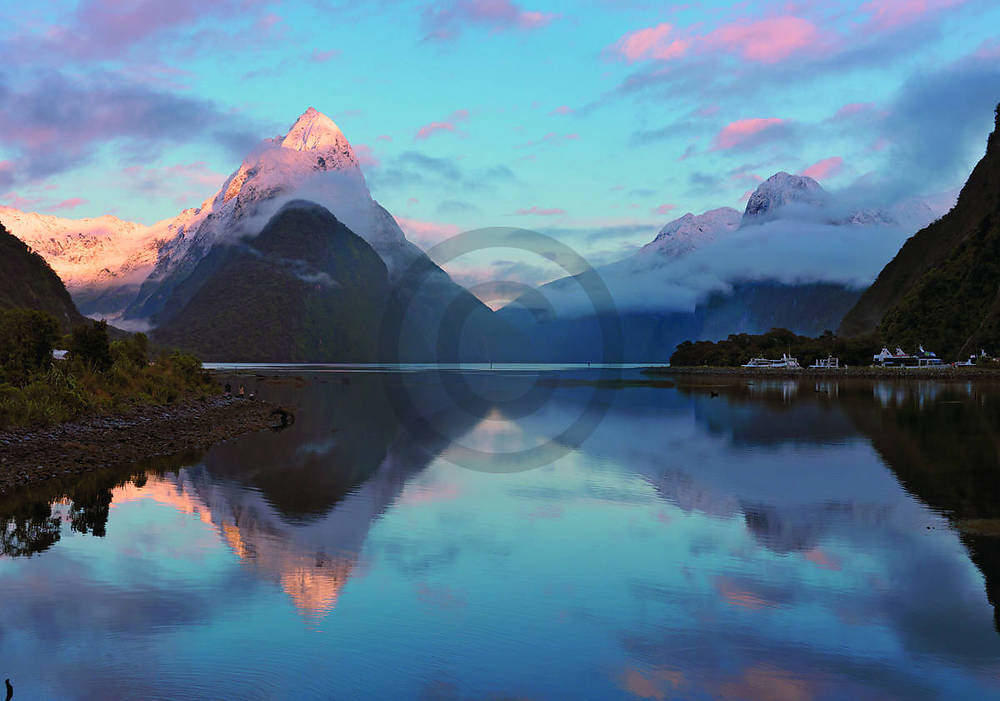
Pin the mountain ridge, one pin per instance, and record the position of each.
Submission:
(942, 289)
(27, 281)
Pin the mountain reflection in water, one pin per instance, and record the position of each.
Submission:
(725, 538)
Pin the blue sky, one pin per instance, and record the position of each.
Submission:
(595, 120)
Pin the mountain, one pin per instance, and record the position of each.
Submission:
(26, 280)
(778, 192)
(314, 155)
(306, 288)
(314, 162)
(102, 261)
(689, 282)
(942, 290)
(143, 277)
(685, 234)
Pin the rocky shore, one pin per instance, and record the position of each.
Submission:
(942, 373)
(29, 456)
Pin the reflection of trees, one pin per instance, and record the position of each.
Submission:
(29, 529)
(30, 524)
(941, 440)
(946, 452)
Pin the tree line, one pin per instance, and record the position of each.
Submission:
(737, 349)
(97, 376)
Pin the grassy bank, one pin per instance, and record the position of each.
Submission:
(97, 377)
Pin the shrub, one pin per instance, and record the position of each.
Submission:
(100, 377)
(27, 338)
(89, 345)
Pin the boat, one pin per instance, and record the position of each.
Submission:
(902, 359)
(827, 363)
(786, 363)
(970, 363)
(928, 359)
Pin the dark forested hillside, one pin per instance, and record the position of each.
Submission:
(305, 289)
(942, 289)
(27, 281)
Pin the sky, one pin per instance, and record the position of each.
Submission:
(595, 121)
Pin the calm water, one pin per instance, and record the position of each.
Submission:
(734, 540)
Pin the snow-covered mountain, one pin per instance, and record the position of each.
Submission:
(91, 256)
(778, 192)
(686, 233)
(313, 161)
(145, 277)
(786, 196)
(796, 258)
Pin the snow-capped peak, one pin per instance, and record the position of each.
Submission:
(780, 190)
(314, 131)
(686, 233)
(86, 252)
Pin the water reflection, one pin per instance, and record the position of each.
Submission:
(719, 539)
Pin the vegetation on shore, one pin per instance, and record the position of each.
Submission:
(941, 287)
(739, 348)
(97, 376)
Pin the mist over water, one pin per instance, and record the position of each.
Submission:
(730, 538)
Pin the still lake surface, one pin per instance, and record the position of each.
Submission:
(727, 538)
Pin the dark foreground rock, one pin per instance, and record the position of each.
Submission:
(29, 456)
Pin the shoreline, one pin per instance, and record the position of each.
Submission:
(945, 373)
(35, 455)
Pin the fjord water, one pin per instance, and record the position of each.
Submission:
(730, 538)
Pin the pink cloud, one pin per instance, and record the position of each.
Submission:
(185, 184)
(537, 211)
(745, 131)
(446, 20)
(318, 56)
(881, 144)
(447, 125)
(383, 137)
(196, 174)
(767, 40)
(853, 108)
(428, 129)
(990, 48)
(412, 201)
(826, 168)
(650, 42)
(892, 14)
(18, 202)
(665, 209)
(562, 109)
(71, 203)
(425, 233)
(366, 158)
(109, 27)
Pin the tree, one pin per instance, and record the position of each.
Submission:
(27, 338)
(90, 345)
